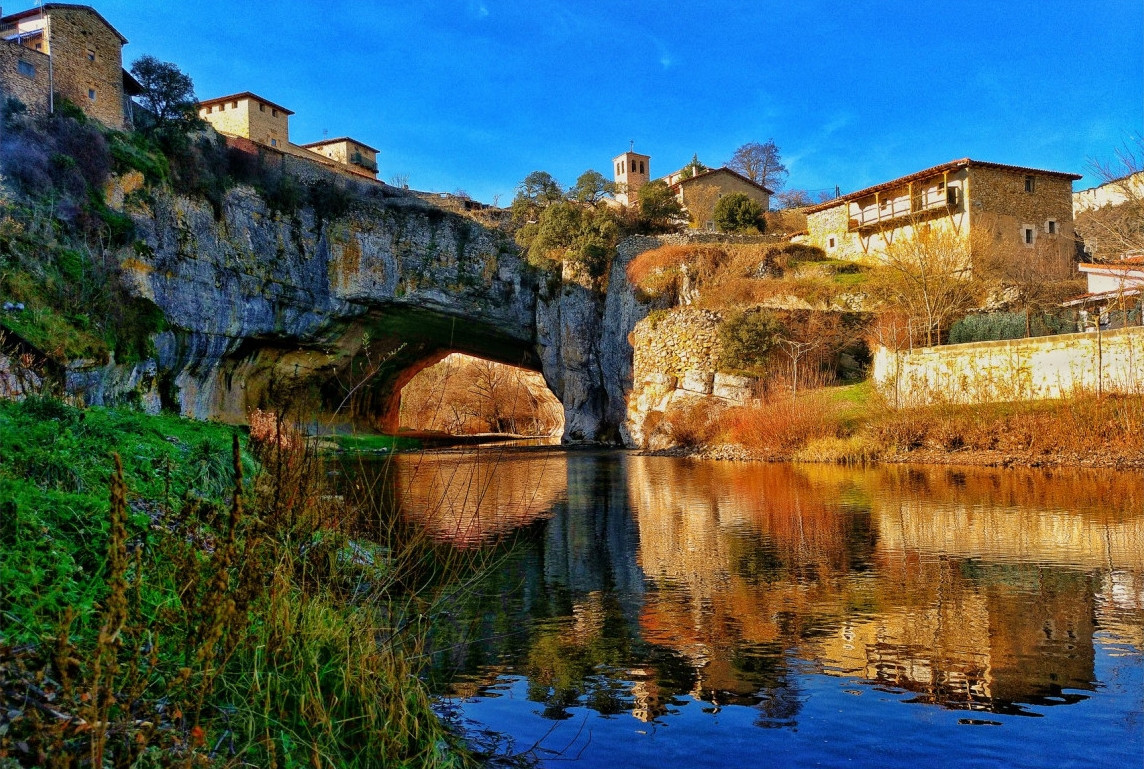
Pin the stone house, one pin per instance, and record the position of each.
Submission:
(1113, 287)
(631, 170)
(348, 152)
(1019, 207)
(1112, 193)
(70, 50)
(699, 192)
(253, 118)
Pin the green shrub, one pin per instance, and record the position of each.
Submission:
(738, 213)
(746, 338)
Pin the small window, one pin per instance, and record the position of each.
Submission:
(27, 69)
(261, 107)
(831, 242)
(90, 55)
(1030, 234)
(39, 46)
(940, 186)
(91, 94)
(641, 167)
(273, 142)
(273, 113)
(1030, 183)
(1051, 227)
(234, 105)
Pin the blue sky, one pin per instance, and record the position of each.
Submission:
(475, 94)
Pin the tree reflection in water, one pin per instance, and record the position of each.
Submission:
(635, 584)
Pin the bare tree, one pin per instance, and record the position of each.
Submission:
(760, 163)
(929, 278)
(1112, 222)
(700, 202)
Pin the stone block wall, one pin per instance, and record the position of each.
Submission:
(1000, 202)
(87, 59)
(29, 82)
(1016, 369)
(676, 361)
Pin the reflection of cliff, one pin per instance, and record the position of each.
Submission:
(473, 497)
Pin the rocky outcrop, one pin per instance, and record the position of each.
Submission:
(676, 364)
(270, 309)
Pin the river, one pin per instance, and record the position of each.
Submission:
(663, 612)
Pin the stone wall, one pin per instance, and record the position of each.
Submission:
(1016, 369)
(29, 83)
(675, 362)
(999, 201)
(87, 57)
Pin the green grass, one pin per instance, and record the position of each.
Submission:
(270, 624)
(55, 462)
(366, 444)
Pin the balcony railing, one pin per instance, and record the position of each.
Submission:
(924, 203)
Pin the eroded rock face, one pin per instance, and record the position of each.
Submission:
(267, 308)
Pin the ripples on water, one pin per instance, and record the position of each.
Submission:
(667, 612)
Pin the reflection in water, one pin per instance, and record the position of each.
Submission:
(647, 583)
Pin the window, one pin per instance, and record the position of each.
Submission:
(234, 105)
(1030, 235)
(1030, 183)
(261, 107)
(831, 242)
(27, 69)
(91, 93)
(1051, 227)
(273, 142)
(641, 167)
(273, 113)
(90, 55)
(39, 46)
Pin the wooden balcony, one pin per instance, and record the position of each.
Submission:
(906, 206)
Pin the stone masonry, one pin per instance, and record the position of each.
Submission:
(676, 361)
(86, 60)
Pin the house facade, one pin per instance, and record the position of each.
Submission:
(349, 152)
(699, 192)
(1015, 206)
(694, 186)
(248, 116)
(70, 50)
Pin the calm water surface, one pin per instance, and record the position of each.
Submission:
(660, 612)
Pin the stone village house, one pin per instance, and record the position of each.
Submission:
(632, 170)
(1023, 207)
(69, 50)
(247, 117)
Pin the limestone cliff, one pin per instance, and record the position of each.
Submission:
(269, 309)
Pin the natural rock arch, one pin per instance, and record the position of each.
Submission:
(266, 309)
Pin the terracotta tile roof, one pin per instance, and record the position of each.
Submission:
(950, 166)
(722, 169)
(244, 95)
(49, 6)
(324, 142)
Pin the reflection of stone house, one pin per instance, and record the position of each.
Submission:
(72, 51)
(1018, 206)
(249, 116)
